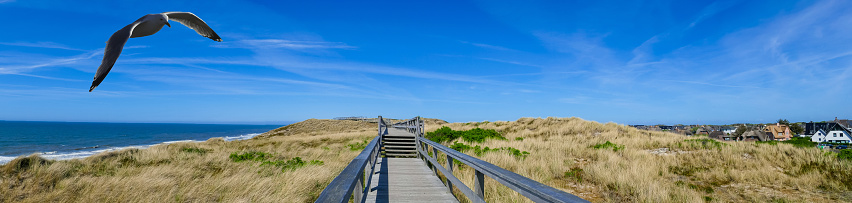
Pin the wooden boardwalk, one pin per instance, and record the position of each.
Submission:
(386, 172)
(406, 180)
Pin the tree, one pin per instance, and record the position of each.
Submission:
(741, 128)
(796, 128)
(784, 122)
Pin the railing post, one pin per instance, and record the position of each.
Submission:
(435, 155)
(359, 189)
(450, 169)
(479, 184)
(417, 146)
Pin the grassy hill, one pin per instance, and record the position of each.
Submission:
(263, 169)
(616, 163)
(598, 162)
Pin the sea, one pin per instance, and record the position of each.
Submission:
(70, 140)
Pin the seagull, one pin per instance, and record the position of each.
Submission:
(144, 26)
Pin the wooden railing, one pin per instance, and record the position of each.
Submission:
(413, 125)
(352, 182)
(529, 188)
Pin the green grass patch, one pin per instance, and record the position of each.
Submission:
(195, 150)
(607, 145)
(292, 164)
(801, 142)
(479, 151)
(704, 143)
(445, 134)
(266, 159)
(704, 188)
(519, 138)
(249, 156)
(575, 173)
(845, 154)
(358, 146)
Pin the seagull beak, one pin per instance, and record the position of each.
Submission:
(167, 23)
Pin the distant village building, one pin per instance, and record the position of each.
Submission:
(756, 135)
(780, 132)
(686, 132)
(836, 131)
(838, 134)
(811, 128)
(819, 136)
(720, 135)
(728, 130)
(702, 131)
(844, 123)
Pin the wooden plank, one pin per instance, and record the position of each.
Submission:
(406, 180)
(400, 143)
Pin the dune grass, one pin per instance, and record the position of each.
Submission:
(292, 167)
(616, 163)
(598, 162)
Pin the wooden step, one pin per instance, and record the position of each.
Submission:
(399, 147)
(400, 150)
(399, 139)
(400, 143)
(400, 155)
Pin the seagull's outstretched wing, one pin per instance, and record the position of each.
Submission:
(190, 20)
(112, 51)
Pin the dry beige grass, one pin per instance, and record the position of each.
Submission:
(738, 172)
(167, 173)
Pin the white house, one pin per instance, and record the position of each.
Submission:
(729, 130)
(838, 134)
(819, 136)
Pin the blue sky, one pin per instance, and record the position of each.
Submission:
(630, 62)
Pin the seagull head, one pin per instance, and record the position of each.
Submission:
(165, 19)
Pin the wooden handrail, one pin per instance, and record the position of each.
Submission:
(529, 188)
(343, 187)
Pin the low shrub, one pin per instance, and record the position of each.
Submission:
(479, 151)
(575, 173)
(266, 160)
(292, 164)
(249, 156)
(358, 146)
(845, 154)
(608, 144)
(801, 142)
(195, 150)
(445, 134)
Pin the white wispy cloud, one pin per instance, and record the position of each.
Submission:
(31, 63)
(488, 46)
(49, 45)
(512, 62)
(712, 10)
(283, 44)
